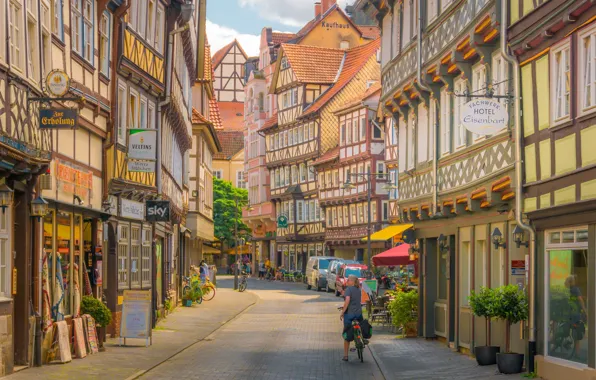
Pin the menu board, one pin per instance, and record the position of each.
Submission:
(136, 315)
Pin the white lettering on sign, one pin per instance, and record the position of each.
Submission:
(156, 210)
(484, 116)
(132, 209)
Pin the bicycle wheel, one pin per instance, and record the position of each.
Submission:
(185, 290)
(210, 293)
(360, 355)
(242, 286)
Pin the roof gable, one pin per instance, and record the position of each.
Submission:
(221, 53)
(333, 11)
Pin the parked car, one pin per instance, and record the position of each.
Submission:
(332, 272)
(316, 271)
(344, 272)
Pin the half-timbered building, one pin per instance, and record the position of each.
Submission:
(455, 187)
(360, 150)
(309, 83)
(555, 45)
(228, 68)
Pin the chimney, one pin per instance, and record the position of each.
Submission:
(326, 4)
(317, 9)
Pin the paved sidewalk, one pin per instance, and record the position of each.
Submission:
(418, 359)
(180, 330)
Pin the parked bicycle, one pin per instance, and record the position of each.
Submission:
(203, 292)
(243, 282)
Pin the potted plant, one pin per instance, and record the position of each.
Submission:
(510, 305)
(189, 298)
(404, 311)
(482, 304)
(100, 313)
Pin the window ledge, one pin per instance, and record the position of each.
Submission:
(58, 42)
(79, 59)
(104, 78)
(5, 299)
(561, 125)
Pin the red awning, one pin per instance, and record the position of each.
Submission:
(395, 256)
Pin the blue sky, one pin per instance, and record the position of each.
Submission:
(244, 19)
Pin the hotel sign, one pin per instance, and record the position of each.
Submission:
(132, 209)
(54, 118)
(484, 116)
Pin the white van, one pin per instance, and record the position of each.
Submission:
(316, 271)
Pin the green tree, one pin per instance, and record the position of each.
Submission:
(226, 211)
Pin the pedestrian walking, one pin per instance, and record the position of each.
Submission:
(261, 270)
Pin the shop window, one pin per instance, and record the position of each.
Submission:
(566, 294)
(135, 256)
(123, 236)
(5, 254)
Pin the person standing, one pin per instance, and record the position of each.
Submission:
(352, 309)
(261, 270)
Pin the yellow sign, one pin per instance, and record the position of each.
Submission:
(57, 82)
(14, 281)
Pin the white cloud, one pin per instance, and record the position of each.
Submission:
(294, 13)
(219, 36)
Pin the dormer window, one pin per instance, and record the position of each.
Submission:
(284, 63)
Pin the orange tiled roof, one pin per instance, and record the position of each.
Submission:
(313, 64)
(269, 123)
(329, 155)
(232, 115)
(208, 73)
(370, 32)
(279, 37)
(231, 142)
(197, 118)
(356, 58)
(214, 114)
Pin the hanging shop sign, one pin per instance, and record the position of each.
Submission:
(141, 166)
(157, 211)
(58, 118)
(132, 209)
(282, 221)
(57, 82)
(73, 179)
(142, 144)
(484, 116)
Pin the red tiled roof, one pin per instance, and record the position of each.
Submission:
(208, 73)
(313, 64)
(356, 58)
(197, 118)
(221, 53)
(231, 142)
(280, 38)
(214, 114)
(269, 123)
(232, 115)
(369, 32)
(329, 155)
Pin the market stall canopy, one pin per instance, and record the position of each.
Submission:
(395, 256)
(242, 250)
(389, 232)
(210, 250)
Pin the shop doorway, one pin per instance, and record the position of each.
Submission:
(22, 237)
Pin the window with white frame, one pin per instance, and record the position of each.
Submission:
(587, 69)
(410, 146)
(363, 129)
(422, 143)
(385, 206)
(46, 39)
(311, 173)
(355, 134)
(240, 183)
(377, 131)
(150, 21)
(32, 38)
(381, 170)
(445, 121)
(349, 132)
(287, 175)
(146, 257)
(432, 128)
(500, 69)
(122, 110)
(135, 256)
(478, 86)
(57, 24)
(104, 43)
(432, 10)
(16, 35)
(88, 22)
(159, 23)
(123, 244)
(460, 101)
(82, 28)
(561, 82)
(410, 21)
(300, 211)
(217, 173)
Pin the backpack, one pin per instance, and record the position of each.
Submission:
(367, 329)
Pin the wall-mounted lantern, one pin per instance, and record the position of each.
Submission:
(498, 240)
(518, 237)
(6, 197)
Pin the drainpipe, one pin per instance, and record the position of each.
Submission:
(425, 87)
(166, 101)
(518, 190)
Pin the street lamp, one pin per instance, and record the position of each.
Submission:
(6, 196)
(39, 207)
(348, 185)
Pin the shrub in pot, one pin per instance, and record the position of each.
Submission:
(100, 313)
(404, 311)
(510, 305)
(482, 304)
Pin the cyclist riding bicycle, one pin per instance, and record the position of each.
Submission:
(352, 309)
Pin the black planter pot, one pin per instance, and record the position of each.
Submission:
(486, 355)
(510, 363)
